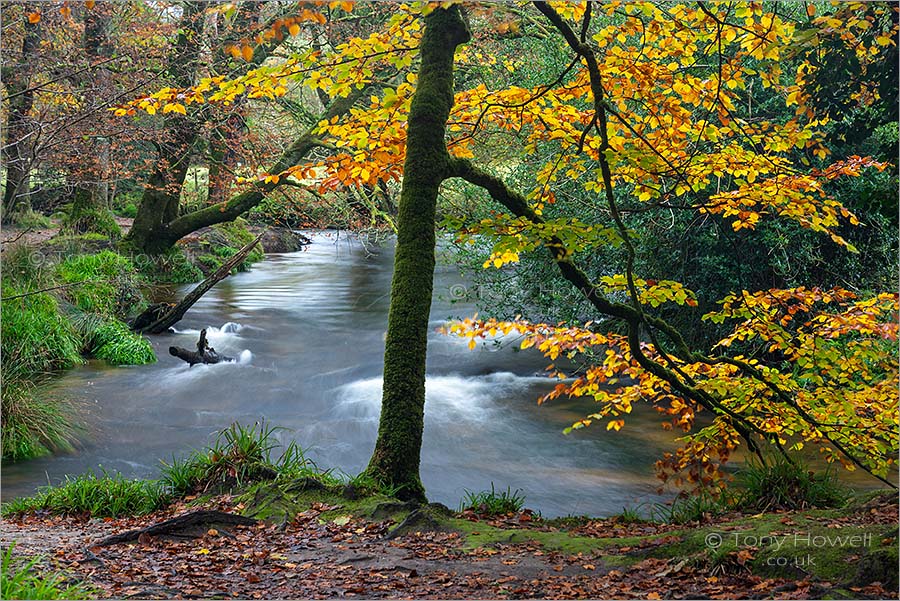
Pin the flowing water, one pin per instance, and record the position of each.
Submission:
(307, 331)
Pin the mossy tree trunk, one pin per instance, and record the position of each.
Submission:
(158, 224)
(395, 460)
(162, 192)
(19, 126)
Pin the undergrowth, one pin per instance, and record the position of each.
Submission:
(239, 456)
(22, 579)
(98, 496)
(46, 332)
(493, 502)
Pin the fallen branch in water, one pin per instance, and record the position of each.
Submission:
(174, 315)
(204, 353)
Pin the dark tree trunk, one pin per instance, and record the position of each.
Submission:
(162, 192)
(19, 129)
(395, 460)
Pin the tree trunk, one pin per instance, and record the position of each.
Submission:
(162, 192)
(19, 128)
(395, 460)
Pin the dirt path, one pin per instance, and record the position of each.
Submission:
(323, 554)
(35, 237)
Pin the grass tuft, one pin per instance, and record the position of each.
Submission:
(116, 344)
(34, 423)
(23, 580)
(686, 509)
(240, 455)
(493, 502)
(98, 496)
(783, 484)
(105, 283)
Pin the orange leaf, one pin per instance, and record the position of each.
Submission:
(247, 53)
(294, 29)
(89, 4)
(34, 17)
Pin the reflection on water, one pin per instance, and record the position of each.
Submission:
(307, 330)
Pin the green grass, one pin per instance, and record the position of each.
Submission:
(110, 283)
(492, 502)
(98, 496)
(34, 423)
(36, 338)
(116, 344)
(22, 579)
(783, 484)
(240, 455)
(171, 267)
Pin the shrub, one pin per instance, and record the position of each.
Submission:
(98, 496)
(129, 210)
(493, 502)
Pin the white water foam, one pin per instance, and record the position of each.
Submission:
(447, 398)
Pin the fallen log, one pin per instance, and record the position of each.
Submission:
(188, 525)
(203, 354)
(159, 324)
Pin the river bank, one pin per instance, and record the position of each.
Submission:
(328, 545)
(69, 298)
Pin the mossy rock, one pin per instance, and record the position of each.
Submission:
(878, 565)
(433, 517)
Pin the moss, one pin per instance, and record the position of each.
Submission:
(395, 461)
(809, 545)
(85, 217)
(236, 235)
(32, 220)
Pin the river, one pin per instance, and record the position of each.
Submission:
(308, 331)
